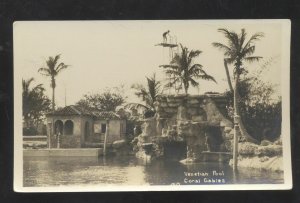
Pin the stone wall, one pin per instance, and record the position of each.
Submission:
(188, 118)
(193, 107)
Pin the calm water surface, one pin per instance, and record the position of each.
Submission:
(54, 171)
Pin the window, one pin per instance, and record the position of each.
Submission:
(103, 128)
(69, 127)
(58, 128)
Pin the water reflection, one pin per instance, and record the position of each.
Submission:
(54, 171)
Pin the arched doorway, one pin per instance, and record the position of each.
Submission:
(68, 128)
(58, 127)
(86, 130)
(214, 138)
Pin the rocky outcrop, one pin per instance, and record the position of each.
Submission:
(262, 163)
(266, 156)
(120, 147)
(193, 107)
(197, 120)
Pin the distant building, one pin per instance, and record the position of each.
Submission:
(76, 127)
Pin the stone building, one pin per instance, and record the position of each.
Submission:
(76, 127)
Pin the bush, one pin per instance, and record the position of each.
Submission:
(261, 117)
(247, 148)
(149, 113)
(278, 141)
(265, 143)
(30, 131)
(269, 150)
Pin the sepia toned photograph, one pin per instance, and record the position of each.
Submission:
(152, 105)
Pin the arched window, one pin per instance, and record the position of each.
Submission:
(58, 127)
(69, 127)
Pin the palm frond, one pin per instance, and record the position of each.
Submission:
(207, 77)
(253, 38)
(169, 66)
(196, 69)
(194, 83)
(222, 47)
(248, 51)
(251, 59)
(39, 87)
(242, 38)
(60, 67)
(194, 53)
(231, 36)
(173, 72)
(229, 60)
(57, 57)
(44, 71)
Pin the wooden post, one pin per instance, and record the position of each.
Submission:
(58, 139)
(49, 132)
(236, 124)
(235, 143)
(105, 137)
(52, 131)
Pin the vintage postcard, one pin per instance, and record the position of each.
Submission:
(152, 105)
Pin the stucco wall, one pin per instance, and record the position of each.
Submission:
(90, 121)
(114, 131)
(66, 141)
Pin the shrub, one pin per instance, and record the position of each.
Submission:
(247, 148)
(30, 131)
(269, 150)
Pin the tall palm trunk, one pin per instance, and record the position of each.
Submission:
(53, 99)
(53, 109)
(185, 89)
(228, 75)
(242, 128)
(237, 112)
(53, 93)
(186, 86)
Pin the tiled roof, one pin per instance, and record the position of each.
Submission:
(76, 110)
(106, 115)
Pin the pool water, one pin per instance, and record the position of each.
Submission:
(77, 171)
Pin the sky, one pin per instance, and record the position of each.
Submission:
(105, 54)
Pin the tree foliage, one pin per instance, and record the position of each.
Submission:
(52, 70)
(35, 102)
(107, 100)
(183, 72)
(259, 108)
(147, 94)
(236, 51)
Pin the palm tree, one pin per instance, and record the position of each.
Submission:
(237, 51)
(34, 101)
(52, 70)
(148, 94)
(184, 72)
(228, 76)
(27, 98)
